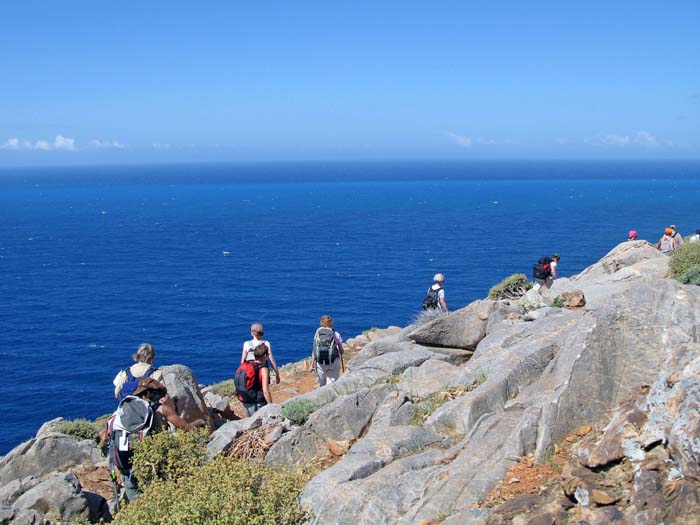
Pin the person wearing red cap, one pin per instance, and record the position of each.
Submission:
(632, 235)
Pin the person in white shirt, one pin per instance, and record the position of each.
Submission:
(257, 332)
(696, 237)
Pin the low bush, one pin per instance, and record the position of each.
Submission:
(684, 258)
(558, 302)
(225, 388)
(299, 410)
(425, 316)
(81, 428)
(512, 287)
(692, 276)
(222, 492)
(168, 456)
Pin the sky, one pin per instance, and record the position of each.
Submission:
(126, 82)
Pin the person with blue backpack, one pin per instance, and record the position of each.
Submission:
(127, 380)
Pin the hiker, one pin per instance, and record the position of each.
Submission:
(149, 409)
(127, 379)
(435, 298)
(696, 237)
(252, 381)
(327, 354)
(545, 271)
(677, 238)
(666, 244)
(632, 235)
(257, 332)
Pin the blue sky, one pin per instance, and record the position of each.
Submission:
(91, 82)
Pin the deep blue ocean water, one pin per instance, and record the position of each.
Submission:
(94, 261)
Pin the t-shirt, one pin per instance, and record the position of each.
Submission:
(553, 266)
(695, 238)
(250, 346)
(137, 370)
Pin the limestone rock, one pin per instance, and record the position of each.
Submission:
(430, 377)
(184, 391)
(463, 328)
(12, 516)
(51, 452)
(15, 488)
(573, 299)
(59, 497)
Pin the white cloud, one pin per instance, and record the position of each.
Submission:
(106, 144)
(460, 140)
(640, 139)
(64, 143)
(158, 145)
(11, 144)
(41, 144)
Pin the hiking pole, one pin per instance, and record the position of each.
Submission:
(115, 485)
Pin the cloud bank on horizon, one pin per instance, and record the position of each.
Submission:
(367, 81)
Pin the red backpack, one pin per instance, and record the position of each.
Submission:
(248, 382)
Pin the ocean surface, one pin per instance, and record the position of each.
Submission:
(95, 261)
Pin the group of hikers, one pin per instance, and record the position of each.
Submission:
(671, 240)
(144, 404)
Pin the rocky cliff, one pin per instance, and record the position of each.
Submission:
(428, 419)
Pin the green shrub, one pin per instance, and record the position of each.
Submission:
(225, 388)
(692, 276)
(168, 456)
(684, 258)
(81, 428)
(512, 287)
(299, 410)
(558, 302)
(222, 492)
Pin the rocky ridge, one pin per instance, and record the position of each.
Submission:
(428, 419)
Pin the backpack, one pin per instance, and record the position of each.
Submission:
(666, 245)
(431, 301)
(129, 387)
(325, 346)
(247, 381)
(132, 420)
(543, 268)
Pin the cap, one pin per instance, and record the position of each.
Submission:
(668, 231)
(633, 234)
(673, 226)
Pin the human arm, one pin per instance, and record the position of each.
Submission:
(244, 352)
(265, 376)
(118, 383)
(443, 303)
(167, 408)
(273, 363)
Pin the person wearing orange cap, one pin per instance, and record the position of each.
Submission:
(666, 245)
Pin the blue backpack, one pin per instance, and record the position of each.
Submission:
(133, 382)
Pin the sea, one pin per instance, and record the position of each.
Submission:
(96, 260)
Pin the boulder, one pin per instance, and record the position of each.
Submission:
(573, 299)
(184, 391)
(463, 328)
(59, 498)
(12, 516)
(48, 453)
(15, 488)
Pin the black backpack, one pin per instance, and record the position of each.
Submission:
(129, 387)
(325, 346)
(431, 301)
(543, 268)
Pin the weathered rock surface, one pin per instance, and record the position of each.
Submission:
(12, 516)
(48, 453)
(533, 382)
(59, 497)
(184, 391)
